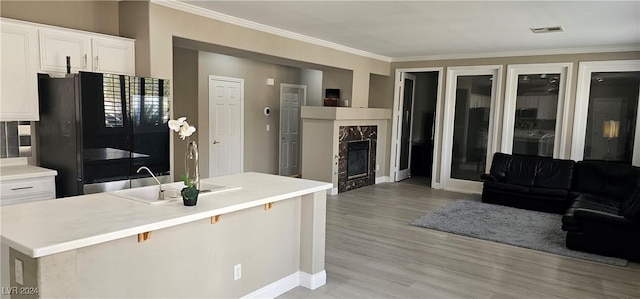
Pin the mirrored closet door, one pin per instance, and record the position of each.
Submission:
(535, 110)
(469, 125)
(606, 122)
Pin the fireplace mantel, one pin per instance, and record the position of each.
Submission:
(344, 113)
(320, 140)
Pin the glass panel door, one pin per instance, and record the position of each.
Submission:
(404, 157)
(534, 110)
(468, 132)
(536, 114)
(606, 122)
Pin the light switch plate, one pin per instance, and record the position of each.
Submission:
(237, 271)
(19, 272)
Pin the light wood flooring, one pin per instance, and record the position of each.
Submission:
(373, 252)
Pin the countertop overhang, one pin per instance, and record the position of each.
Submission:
(44, 228)
(20, 172)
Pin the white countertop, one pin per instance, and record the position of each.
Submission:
(19, 172)
(48, 227)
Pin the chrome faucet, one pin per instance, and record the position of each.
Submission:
(161, 192)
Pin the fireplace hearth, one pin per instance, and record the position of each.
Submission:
(357, 157)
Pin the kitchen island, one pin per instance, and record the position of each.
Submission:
(258, 241)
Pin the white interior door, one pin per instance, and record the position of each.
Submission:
(291, 98)
(469, 131)
(405, 109)
(225, 125)
(607, 92)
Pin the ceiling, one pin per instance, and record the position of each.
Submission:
(399, 30)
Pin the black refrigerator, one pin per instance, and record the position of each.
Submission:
(97, 129)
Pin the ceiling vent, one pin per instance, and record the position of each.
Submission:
(547, 29)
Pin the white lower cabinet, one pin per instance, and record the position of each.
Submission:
(27, 190)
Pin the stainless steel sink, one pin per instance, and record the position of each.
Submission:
(149, 194)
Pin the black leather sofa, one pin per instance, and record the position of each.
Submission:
(599, 200)
(529, 182)
(604, 216)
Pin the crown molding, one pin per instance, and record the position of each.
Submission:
(632, 48)
(192, 9)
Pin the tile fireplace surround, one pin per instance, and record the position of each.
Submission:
(350, 134)
(326, 134)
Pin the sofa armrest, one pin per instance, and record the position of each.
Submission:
(586, 215)
(488, 177)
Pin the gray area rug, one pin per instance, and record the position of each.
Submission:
(524, 228)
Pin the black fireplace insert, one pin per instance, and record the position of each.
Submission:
(357, 159)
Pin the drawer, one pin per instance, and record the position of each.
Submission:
(27, 189)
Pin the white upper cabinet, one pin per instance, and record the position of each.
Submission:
(56, 45)
(113, 55)
(18, 78)
(88, 52)
(28, 48)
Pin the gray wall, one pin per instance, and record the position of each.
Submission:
(260, 146)
(313, 80)
(95, 16)
(185, 90)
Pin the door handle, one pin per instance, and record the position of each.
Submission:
(215, 142)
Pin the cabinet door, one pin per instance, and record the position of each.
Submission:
(113, 55)
(19, 92)
(56, 45)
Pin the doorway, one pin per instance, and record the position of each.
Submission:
(414, 119)
(226, 129)
(291, 98)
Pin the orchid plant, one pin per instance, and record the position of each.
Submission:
(182, 127)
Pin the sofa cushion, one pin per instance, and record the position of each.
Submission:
(506, 187)
(588, 202)
(599, 200)
(522, 170)
(554, 173)
(549, 192)
(605, 178)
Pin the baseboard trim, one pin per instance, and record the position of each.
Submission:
(383, 179)
(314, 281)
(288, 283)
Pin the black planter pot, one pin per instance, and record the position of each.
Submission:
(189, 196)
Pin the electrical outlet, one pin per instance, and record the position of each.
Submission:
(237, 271)
(19, 272)
(268, 128)
(377, 167)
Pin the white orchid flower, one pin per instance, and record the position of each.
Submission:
(177, 124)
(186, 130)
